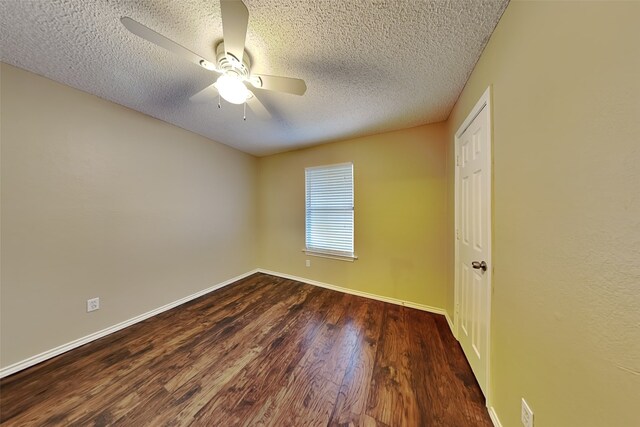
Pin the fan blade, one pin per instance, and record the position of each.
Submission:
(158, 39)
(258, 108)
(208, 94)
(279, 84)
(235, 20)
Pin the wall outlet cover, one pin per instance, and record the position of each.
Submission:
(93, 304)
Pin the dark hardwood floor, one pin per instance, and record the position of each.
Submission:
(263, 351)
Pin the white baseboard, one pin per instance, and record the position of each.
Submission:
(396, 301)
(450, 322)
(33, 360)
(494, 417)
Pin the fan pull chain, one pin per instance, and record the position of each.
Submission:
(244, 114)
(219, 101)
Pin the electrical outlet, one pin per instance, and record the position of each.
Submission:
(527, 415)
(93, 304)
(308, 263)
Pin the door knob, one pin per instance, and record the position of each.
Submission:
(479, 265)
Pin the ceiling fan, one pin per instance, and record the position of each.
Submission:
(232, 62)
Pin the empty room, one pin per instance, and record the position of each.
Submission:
(320, 213)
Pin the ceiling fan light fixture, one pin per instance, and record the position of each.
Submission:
(232, 60)
(232, 89)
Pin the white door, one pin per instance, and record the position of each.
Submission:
(473, 238)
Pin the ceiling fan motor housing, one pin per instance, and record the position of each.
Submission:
(228, 64)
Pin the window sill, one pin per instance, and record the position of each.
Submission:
(348, 258)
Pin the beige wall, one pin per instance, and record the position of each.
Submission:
(400, 185)
(102, 201)
(566, 238)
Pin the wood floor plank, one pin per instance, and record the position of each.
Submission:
(323, 371)
(431, 378)
(392, 400)
(299, 380)
(351, 401)
(236, 355)
(239, 397)
(262, 351)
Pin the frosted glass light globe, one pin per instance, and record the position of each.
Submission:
(232, 89)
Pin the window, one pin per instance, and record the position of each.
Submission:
(329, 210)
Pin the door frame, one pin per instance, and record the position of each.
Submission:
(483, 102)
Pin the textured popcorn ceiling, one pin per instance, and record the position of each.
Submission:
(370, 65)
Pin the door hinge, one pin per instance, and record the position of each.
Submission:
(458, 160)
(457, 234)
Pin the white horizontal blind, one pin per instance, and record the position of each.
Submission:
(329, 209)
